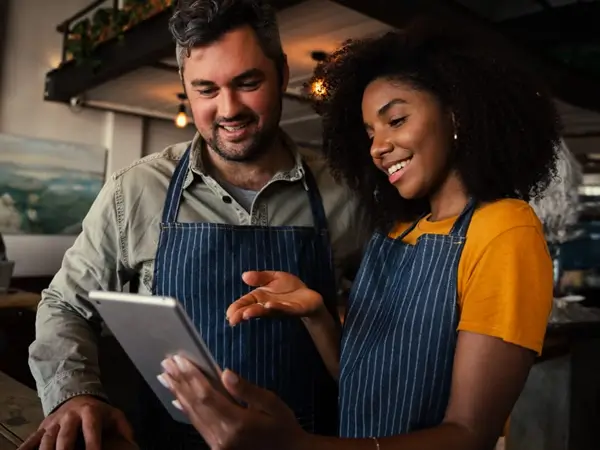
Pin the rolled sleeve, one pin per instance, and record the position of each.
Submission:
(64, 356)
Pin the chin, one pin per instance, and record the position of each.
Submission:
(240, 151)
(407, 192)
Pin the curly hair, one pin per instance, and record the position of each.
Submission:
(506, 125)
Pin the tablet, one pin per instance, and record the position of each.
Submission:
(151, 328)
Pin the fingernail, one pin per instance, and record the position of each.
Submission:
(181, 363)
(165, 364)
(231, 377)
(161, 378)
(177, 405)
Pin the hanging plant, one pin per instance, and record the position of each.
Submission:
(108, 23)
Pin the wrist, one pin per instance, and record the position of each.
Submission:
(319, 315)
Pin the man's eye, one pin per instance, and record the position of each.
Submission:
(250, 85)
(206, 92)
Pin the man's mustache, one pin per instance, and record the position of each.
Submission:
(224, 121)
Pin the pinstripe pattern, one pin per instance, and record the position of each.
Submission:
(400, 334)
(201, 264)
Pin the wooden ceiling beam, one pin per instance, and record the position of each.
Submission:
(573, 23)
(567, 84)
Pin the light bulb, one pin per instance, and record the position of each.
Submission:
(181, 120)
(318, 88)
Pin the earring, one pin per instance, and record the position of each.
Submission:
(455, 136)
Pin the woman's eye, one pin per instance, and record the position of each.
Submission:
(397, 122)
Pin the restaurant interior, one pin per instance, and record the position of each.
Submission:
(95, 85)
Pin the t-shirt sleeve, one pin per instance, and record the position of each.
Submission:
(508, 290)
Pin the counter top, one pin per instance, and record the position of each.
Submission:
(19, 299)
(20, 412)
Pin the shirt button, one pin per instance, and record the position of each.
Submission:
(227, 199)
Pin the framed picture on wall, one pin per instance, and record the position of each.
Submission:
(46, 189)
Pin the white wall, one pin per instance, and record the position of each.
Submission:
(32, 48)
(159, 134)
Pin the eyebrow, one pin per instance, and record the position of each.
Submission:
(251, 73)
(385, 108)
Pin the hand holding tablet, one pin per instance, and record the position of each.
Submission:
(150, 329)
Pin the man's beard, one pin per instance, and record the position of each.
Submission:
(250, 149)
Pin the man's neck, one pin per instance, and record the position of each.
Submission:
(252, 175)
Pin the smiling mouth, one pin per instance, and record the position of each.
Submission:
(399, 166)
(234, 128)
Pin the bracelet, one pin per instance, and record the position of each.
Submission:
(376, 443)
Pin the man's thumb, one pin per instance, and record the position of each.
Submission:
(254, 396)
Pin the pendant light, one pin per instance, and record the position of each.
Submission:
(181, 119)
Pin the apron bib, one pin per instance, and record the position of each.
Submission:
(400, 334)
(201, 265)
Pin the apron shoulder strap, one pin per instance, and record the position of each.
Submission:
(316, 201)
(461, 225)
(171, 208)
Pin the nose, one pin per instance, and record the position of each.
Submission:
(229, 104)
(380, 147)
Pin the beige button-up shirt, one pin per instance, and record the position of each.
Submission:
(119, 242)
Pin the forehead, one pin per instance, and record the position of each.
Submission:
(234, 53)
(381, 92)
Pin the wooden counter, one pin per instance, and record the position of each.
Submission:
(20, 412)
(20, 300)
(21, 415)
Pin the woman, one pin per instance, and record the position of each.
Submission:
(445, 145)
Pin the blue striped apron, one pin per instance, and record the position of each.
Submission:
(201, 265)
(400, 334)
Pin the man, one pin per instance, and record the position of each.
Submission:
(161, 221)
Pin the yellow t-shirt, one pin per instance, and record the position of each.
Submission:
(504, 274)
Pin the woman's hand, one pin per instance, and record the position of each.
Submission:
(276, 293)
(267, 423)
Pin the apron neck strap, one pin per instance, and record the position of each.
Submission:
(175, 190)
(314, 197)
(461, 225)
(459, 228)
(411, 227)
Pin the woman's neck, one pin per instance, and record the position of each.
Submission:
(449, 199)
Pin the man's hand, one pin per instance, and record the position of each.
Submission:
(60, 429)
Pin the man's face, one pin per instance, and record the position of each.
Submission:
(235, 95)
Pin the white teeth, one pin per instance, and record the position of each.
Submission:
(239, 127)
(401, 165)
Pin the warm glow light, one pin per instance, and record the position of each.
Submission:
(54, 61)
(318, 88)
(181, 120)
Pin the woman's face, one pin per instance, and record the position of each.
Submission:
(411, 135)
